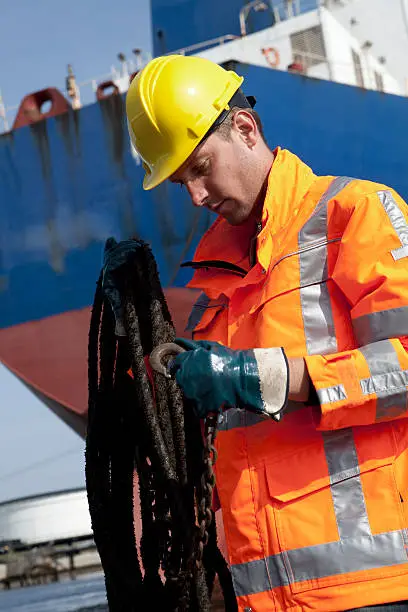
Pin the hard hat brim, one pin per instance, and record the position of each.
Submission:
(166, 168)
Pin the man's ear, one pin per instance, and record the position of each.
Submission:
(245, 125)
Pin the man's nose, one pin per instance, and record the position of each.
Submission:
(197, 192)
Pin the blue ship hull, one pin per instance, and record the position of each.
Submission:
(69, 182)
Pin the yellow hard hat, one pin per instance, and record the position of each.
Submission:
(170, 105)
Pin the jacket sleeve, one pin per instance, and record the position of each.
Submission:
(369, 384)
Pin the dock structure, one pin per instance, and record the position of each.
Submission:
(25, 565)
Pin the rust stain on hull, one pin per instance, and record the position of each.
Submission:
(39, 132)
(114, 120)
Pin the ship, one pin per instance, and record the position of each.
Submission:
(330, 86)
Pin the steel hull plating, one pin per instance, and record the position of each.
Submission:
(70, 182)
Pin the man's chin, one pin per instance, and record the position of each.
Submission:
(234, 219)
(232, 212)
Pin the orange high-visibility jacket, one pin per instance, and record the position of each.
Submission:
(314, 507)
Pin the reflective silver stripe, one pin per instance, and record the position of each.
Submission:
(239, 417)
(318, 320)
(331, 394)
(387, 380)
(385, 383)
(259, 576)
(380, 325)
(345, 484)
(357, 548)
(380, 357)
(354, 554)
(314, 295)
(197, 311)
(398, 222)
(400, 253)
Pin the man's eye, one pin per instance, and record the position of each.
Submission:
(203, 168)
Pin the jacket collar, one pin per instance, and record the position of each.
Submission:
(288, 182)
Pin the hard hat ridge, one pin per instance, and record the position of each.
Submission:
(171, 106)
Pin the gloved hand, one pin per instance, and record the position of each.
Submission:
(116, 254)
(215, 377)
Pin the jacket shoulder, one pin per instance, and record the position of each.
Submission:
(348, 192)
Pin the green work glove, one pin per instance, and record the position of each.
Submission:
(215, 377)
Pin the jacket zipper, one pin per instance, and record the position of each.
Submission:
(219, 264)
(309, 247)
(253, 245)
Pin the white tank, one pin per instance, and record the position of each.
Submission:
(46, 518)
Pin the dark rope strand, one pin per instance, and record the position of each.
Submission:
(93, 377)
(159, 334)
(98, 458)
(123, 434)
(161, 320)
(162, 439)
(183, 504)
(139, 374)
(159, 456)
(164, 505)
(98, 475)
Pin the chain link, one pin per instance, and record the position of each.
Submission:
(159, 360)
(204, 514)
(204, 510)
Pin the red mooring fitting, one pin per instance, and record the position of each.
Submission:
(102, 87)
(30, 112)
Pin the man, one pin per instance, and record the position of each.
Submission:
(300, 343)
(296, 66)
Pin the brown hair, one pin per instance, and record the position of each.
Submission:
(224, 130)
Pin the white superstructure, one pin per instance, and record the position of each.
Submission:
(362, 43)
(318, 42)
(383, 26)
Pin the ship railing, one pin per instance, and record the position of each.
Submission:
(213, 42)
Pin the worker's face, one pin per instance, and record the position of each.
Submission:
(220, 173)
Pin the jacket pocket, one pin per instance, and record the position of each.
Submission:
(335, 521)
(205, 313)
(294, 271)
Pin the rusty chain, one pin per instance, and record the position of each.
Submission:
(159, 359)
(204, 510)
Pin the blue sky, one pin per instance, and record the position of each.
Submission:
(38, 452)
(38, 39)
